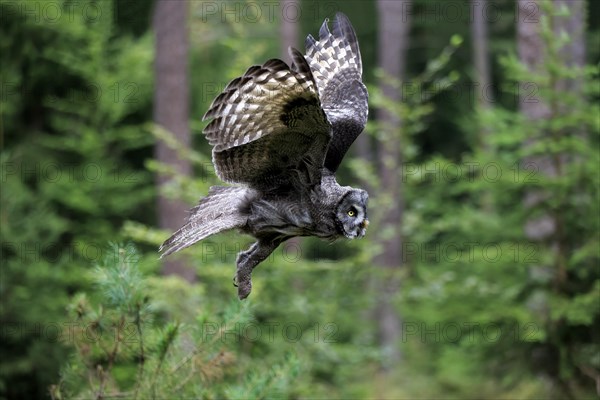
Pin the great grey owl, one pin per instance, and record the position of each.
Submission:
(279, 133)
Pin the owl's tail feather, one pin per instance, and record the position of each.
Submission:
(217, 212)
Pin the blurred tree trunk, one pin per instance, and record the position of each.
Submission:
(538, 55)
(483, 82)
(531, 51)
(288, 28)
(393, 40)
(363, 145)
(288, 33)
(171, 111)
(481, 61)
(364, 150)
(573, 53)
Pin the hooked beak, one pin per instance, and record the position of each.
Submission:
(363, 228)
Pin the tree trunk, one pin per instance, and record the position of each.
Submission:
(393, 40)
(481, 60)
(534, 52)
(289, 35)
(572, 56)
(573, 53)
(483, 82)
(531, 51)
(288, 28)
(171, 111)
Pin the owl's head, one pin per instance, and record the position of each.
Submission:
(351, 213)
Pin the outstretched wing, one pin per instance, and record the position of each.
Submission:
(336, 65)
(217, 212)
(266, 122)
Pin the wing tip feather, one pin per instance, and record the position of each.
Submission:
(324, 30)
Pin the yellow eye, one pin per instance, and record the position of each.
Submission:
(351, 213)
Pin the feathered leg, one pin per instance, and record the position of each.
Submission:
(249, 259)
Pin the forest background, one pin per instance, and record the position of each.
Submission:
(479, 276)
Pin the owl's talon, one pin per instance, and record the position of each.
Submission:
(244, 291)
(244, 287)
(235, 283)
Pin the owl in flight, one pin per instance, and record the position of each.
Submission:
(278, 134)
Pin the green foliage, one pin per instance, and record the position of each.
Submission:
(123, 348)
(73, 97)
(483, 298)
(484, 311)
